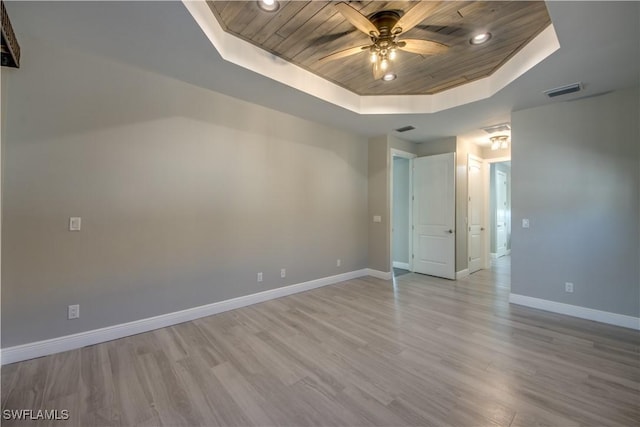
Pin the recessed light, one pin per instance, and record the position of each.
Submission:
(480, 38)
(389, 77)
(269, 5)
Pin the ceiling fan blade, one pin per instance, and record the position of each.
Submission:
(357, 19)
(377, 71)
(328, 38)
(414, 16)
(422, 47)
(343, 53)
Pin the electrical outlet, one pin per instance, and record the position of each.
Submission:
(75, 223)
(525, 222)
(568, 287)
(338, 262)
(259, 277)
(73, 311)
(283, 272)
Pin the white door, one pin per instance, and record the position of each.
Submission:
(434, 215)
(501, 213)
(476, 230)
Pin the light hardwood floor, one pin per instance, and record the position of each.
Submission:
(424, 351)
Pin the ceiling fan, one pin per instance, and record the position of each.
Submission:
(384, 29)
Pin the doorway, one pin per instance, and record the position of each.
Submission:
(401, 203)
(500, 209)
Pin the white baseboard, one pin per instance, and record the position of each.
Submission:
(384, 275)
(577, 311)
(462, 273)
(96, 336)
(402, 265)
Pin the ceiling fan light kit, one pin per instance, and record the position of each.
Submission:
(384, 29)
(499, 142)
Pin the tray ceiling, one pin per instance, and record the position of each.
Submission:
(302, 32)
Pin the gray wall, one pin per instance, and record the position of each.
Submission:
(440, 146)
(506, 168)
(185, 194)
(488, 153)
(379, 232)
(402, 145)
(401, 198)
(575, 175)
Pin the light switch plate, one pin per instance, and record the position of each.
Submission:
(377, 218)
(75, 223)
(525, 222)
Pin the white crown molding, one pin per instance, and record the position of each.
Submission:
(251, 57)
(577, 311)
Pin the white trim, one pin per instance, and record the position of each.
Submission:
(384, 275)
(402, 265)
(577, 311)
(462, 274)
(70, 342)
(498, 159)
(494, 255)
(483, 234)
(394, 152)
(404, 154)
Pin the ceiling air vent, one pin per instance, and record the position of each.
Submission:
(504, 127)
(405, 129)
(563, 90)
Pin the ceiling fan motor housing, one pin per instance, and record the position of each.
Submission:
(384, 21)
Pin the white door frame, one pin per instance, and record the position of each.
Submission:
(487, 209)
(500, 179)
(483, 190)
(405, 155)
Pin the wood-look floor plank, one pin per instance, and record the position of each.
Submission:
(97, 388)
(416, 351)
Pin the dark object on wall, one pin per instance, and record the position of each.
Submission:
(405, 129)
(564, 90)
(10, 47)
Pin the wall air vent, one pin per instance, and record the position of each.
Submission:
(503, 127)
(563, 90)
(405, 129)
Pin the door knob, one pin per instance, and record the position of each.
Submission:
(481, 228)
(449, 231)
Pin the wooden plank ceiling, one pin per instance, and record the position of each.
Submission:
(302, 32)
